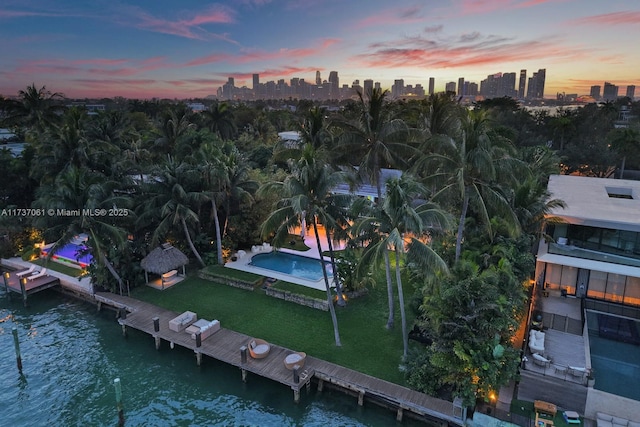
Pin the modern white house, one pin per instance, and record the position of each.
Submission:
(593, 262)
(596, 253)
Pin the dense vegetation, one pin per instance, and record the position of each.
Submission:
(459, 226)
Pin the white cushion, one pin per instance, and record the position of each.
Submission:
(633, 424)
(540, 358)
(261, 349)
(539, 335)
(600, 415)
(620, 421)
(603, 423)
(293, 358)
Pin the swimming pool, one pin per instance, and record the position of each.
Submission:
(616, 363)
(75, 255)
(294, 265)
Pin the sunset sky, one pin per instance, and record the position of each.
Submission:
(188, 48)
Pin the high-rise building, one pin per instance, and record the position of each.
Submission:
(595, 92)
(256, 81)
(631, 91)
(489, 86)
(473, 89)
(610, 92)
(377, 86)
(432, 85)
(507, 84)
(397, 90)
(334, 81)
(536, 84)
(450, 87)
(522, 83)
(318, 78)
(461, 87)
(367, 85)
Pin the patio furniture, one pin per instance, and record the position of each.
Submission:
(571, 417)
(295, 359)
(179, 323)
(255, 249)
(25, 272)
(169, 275)
(561, 369)
(241, 254)
(42, 273)
(545, 407)
(577, 372)
(207, 330)
(536, 341)
(259, 349)
(195, 326)
(541, 360)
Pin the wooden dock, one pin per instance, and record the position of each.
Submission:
(26, 287)
(225, 345)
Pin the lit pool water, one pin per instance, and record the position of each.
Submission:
(294, 265)
(72, 253)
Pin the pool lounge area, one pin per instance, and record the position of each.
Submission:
(301, 268)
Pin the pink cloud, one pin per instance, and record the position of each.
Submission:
(466, 50)
(4, 13)
(190, 26)
(395, 16)
(92, 66)
(254, 55)
(469, 7)
(614, 18)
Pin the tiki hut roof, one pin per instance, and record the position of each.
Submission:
(164, 258)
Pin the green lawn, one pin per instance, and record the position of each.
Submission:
(56, 266)
(367, 346)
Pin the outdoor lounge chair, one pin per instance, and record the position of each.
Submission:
(541, 360)
(259, 349)
(295, 359)
(25, 272)
(38, 275)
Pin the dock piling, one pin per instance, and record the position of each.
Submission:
(118, 387)
(243, 354)
(198, 339)
(296, 374)
(16, 342)
(156, 324)
(198, 358)
(158, 341)
(23, 290)
(6, 277)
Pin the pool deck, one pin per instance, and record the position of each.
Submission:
(243, 262)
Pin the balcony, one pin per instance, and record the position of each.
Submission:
(579, 252)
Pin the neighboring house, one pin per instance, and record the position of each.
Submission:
(594, 261)
(596, 254)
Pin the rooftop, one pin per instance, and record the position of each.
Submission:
(597, 202)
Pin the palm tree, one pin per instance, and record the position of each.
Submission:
(220, 120)
(170, 200)
(398, 225)
(625, 141)
(469, 168)
(306, 193)
(174, 125)
(235, 185)
(378, 139)
(35, 108)
(207, 160)
(78, 188)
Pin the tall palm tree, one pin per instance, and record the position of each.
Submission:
(173, 125)
(399, 225)
(170, 199)
(470, 168)
(220, 119)
(35, 108)
(208, 161)
(377, 139)
(78, 188)
(625, 141)
(306, 193)
(235, 185)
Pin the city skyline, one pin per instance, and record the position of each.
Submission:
(190, 49)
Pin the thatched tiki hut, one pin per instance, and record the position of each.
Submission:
(164, 261)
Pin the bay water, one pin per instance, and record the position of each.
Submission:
(71, 355)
